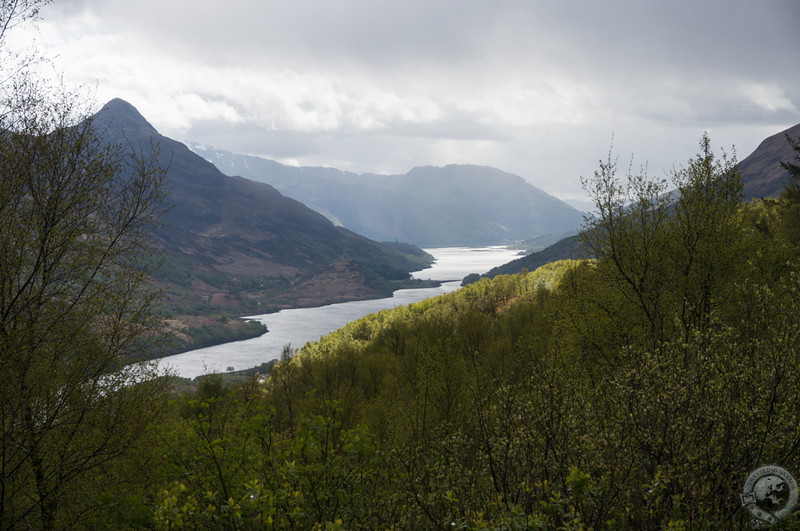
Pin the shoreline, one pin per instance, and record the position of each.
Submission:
(299, 325)
(243, 335)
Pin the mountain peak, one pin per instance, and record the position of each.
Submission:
(120, 118)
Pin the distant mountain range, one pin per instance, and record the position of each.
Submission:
(239, 246)
(429, 206)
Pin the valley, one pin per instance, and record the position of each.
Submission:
(335, 313)
(228, 246)
(232, 247)
(296, 327)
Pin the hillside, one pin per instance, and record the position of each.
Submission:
(234, 246)
(762, 174)
(645, 388)
(567, 248)
(429, 206)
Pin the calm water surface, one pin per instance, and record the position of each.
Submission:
(301, 325)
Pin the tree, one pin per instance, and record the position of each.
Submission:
(75, 217)
(685, 315)
(627, 238)
(667, 251)
(75, 308)
(707, 226)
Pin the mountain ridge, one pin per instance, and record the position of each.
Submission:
(430, 206)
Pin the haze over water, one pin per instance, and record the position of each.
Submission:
(301, 325)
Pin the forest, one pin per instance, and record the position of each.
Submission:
(636, 389)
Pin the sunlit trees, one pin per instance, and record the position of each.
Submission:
(634, 390)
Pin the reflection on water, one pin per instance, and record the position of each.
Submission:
(301, 325)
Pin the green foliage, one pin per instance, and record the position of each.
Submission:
(75, 312)
(241, 474)
(636, 390)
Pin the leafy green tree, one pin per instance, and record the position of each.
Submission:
(75, 308)
(708, 234)
(682, 319)
(75, 314)
(663, 252)
(627, 239)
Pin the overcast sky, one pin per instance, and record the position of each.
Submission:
(536, 88)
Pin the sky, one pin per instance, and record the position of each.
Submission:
(536, 88)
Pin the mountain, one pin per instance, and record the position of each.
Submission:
(235, 245)
(762, 173)
(428, 206)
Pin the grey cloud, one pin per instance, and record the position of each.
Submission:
(454, 125)
(596, 36)
(655, 73)
(256, 139)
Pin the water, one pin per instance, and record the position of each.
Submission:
(301, 325)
